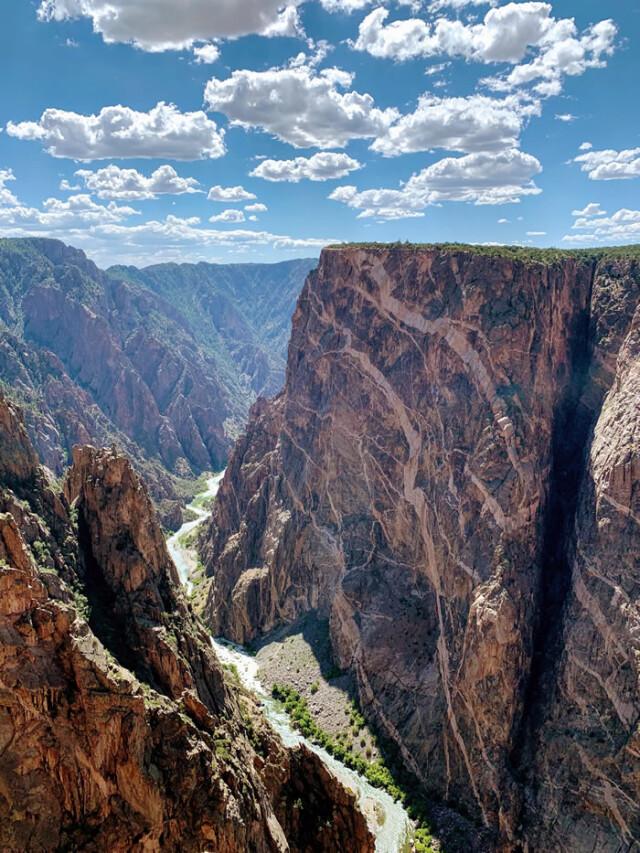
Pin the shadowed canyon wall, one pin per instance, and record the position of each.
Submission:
(451, 475)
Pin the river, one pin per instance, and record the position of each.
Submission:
(182, 556)
(387, 819)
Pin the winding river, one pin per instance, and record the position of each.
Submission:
(183, 556)
(387, 819)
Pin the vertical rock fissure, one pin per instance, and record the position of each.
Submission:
(105, 621)
(573, 422)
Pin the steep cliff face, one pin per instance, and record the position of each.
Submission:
(420, 480)
(118, 729)
(165, 362)
(584, 749)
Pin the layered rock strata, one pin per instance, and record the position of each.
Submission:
(451, 475)
(119, 730)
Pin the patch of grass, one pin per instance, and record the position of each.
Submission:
(188, 488)
(189, 540)
(81, 603)
(203, 502)
(222, 749)
(42, 554)
(232, 669)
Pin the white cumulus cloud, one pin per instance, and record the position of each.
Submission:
(103, 230)
(506, 34)
(439, 5)
(7, 198)
(503, 36)
(75, 213)
(299, 106)
(286, 24)
(120, 132)
(592, 209)
(621, 227)
(563, 51)
(129, 184)
(229, 194)
(228, 216)
(206, 54)
(610, 165)
(474, 123)
(345, 5)
(481, 178)
(157, 25)
(323, 166)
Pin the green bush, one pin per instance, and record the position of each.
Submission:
(375, 772)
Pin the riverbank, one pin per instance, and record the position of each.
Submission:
(386, 817)
(300, 656)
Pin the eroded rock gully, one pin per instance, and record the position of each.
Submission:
(118, 729)
(451, 474)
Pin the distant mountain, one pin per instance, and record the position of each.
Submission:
(163, 362)
(239, 313)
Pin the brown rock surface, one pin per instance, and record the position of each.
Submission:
(118, 729)
(449, 418)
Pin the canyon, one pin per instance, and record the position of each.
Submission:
(162, 362)
(448, 485)
(451, 477)
(120, 729)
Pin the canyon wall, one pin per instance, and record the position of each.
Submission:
(451, 476)
(163, 362)
(119, 729)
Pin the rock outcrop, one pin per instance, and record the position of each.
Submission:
(119, 730)
(451, 475)
(163, 362)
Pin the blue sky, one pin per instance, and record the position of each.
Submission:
(149, 130)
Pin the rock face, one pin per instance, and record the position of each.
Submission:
(164, 362)
(118, 728)
(451, 474)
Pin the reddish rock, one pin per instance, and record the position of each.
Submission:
(448, 418)
(118, 730)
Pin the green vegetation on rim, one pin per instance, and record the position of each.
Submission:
(519, 253)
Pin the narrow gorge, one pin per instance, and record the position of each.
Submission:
(451, 477)
(426, 548)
